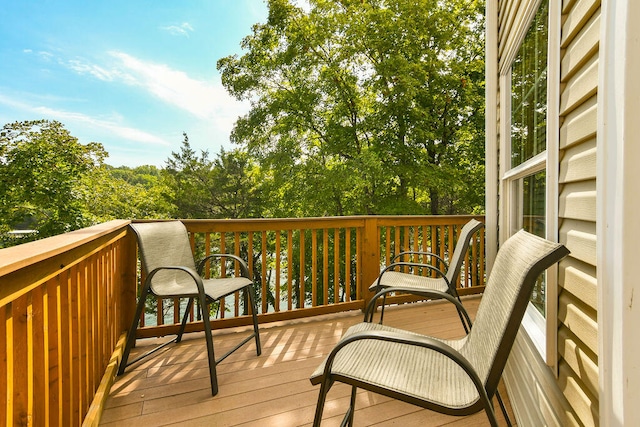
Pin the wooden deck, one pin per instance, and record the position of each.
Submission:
(172, 387)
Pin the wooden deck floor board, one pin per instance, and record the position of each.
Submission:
(172, 387)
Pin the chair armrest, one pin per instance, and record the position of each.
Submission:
(244, 270)
(194, 275)
(413, 264)
(428, 293)
(430, 254)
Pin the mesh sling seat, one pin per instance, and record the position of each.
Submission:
(455, 377)
(171, 272)
(414, 283)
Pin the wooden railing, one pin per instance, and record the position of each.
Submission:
(310, 266)
(66, 301)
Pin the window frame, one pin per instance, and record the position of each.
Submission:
(541, 330)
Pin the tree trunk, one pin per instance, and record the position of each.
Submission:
(435, 205)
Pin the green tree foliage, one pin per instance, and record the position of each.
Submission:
(236, 185)
(41, 170)
(125, 193)
(187, 177)
(52, 183)
(365, 107)
(228, 186)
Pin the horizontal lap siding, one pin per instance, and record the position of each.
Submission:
(538, 385)
(579, 162)
(578, 201)
(577, 299)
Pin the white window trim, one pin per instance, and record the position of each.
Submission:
(543, 332)
(534, 323)
(492, 178)
(533, 165)
(553, 175)
(618, 151)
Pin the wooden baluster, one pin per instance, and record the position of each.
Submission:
(276, 258)
(289, 270)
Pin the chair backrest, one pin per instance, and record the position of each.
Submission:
(163, 244)
(455, 263)
(520, 261)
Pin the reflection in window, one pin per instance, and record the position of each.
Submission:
(529, 92)
(532, 217)
(533, 201)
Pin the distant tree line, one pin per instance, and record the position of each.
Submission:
(357, 107)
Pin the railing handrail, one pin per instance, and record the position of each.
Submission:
(259, 224)
(20, 256)
(52, 254)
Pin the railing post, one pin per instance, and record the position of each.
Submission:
(129, 277)
(370, 256)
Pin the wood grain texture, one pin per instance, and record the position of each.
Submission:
(172, 388)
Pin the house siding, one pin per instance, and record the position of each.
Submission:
(570, 396)
(577, 299)
(534, 391)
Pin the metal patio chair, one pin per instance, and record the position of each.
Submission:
(455, 377)
(446, 276)
(167, 259)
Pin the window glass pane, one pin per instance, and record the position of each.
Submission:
(533, 221)
(533, 209)
(529, 91)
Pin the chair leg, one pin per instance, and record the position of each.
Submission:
(254, 313)
(503, 408)
(454, 293)
(131, 336)
(384, 302)
(488, 409)
(322, 396)
(184, 320)
(348, 418)
(209, 339)
(466, 327)
(370, 314)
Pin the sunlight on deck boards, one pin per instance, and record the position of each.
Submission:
(172, 387)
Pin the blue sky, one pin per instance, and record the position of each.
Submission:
(132, 75)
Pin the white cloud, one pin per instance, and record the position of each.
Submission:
(46, 56)
(96, 71)
(179, 30)
(107, 74)
(69, 117)
(125, 132)
(205, 100)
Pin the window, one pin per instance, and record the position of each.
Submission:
(529, 92)
(529, 135)
(527, 186)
